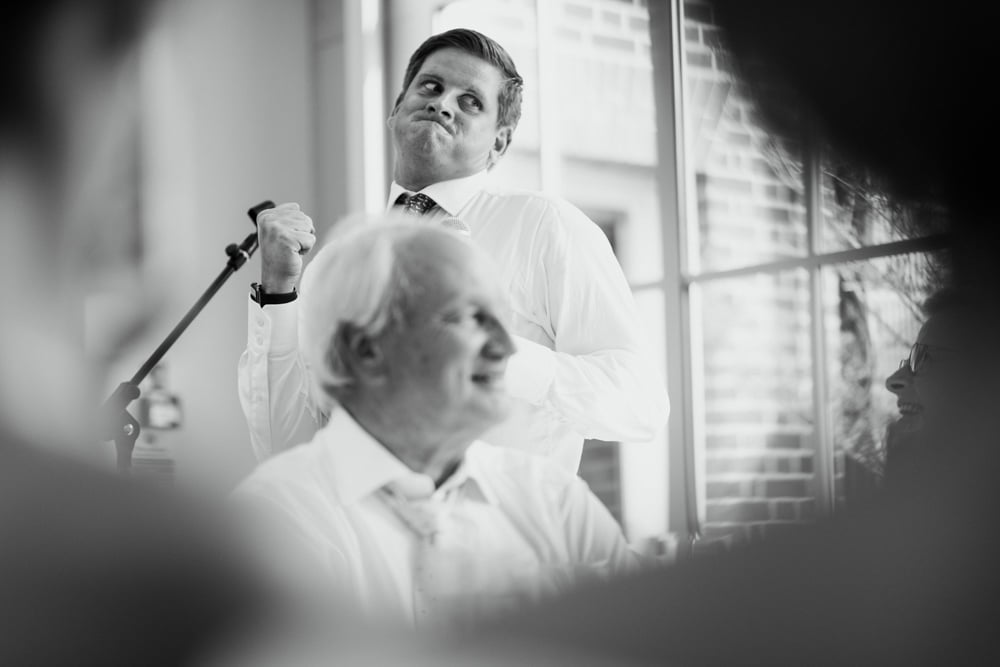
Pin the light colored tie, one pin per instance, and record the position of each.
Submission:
(415, 204)
(425, 518)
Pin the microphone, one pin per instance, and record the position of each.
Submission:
(258, 209)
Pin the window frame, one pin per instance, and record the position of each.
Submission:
(686, 484)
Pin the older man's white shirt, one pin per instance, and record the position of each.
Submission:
(581, 368)
(520, 526)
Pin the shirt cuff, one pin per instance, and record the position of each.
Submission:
(273, 329)
(530, 371)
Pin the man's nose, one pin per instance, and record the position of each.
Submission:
(499, 345)
(441, 105)
(900, 380)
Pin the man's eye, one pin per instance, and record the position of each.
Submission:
(471, 103)
(468, 317)
(429, 87)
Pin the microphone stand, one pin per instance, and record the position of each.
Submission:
(117, 424)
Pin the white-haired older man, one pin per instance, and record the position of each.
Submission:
(395, 500)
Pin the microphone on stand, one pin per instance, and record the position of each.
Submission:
(116, 423)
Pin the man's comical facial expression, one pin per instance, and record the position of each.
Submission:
(445, 367)
(445, 126)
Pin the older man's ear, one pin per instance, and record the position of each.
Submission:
(360, 353)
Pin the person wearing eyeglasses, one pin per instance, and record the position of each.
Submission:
(930, 384)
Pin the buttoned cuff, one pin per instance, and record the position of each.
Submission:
(274, 329)
(530, 371)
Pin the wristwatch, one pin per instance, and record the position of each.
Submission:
(263, 298)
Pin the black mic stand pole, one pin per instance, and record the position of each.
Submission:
(117, 423)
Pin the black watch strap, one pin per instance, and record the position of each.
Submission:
(263, 298)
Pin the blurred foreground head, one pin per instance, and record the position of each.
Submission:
(900, 89)
(64, 136)
(900, 86)
(94, 571)
(62, 118)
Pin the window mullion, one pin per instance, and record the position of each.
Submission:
(665, 20)
(823, 431)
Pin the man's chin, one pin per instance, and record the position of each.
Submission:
(496, 408)
(909, 423)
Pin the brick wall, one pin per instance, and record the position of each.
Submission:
(758, 466)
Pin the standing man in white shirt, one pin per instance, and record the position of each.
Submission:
(580, 370)
(395, 504)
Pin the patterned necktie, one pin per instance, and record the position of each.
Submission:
(415, 204)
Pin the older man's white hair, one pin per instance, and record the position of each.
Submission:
(357, 279)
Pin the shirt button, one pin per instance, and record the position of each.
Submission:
(259, 340)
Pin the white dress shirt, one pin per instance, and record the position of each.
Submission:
(580, 370)
(513, 526)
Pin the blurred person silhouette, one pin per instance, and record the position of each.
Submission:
(912, 578)
(94, 569)
(931, 384)
(395, 506)
(580, 370)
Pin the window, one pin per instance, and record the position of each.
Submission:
(804, 286)
(778, 286)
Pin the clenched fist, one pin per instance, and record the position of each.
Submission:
(285, 235)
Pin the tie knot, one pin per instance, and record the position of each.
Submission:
(422, 515)
(417, 204)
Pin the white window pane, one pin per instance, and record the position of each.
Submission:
(755, 435)
(745, 184)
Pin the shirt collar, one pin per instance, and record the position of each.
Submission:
(360, 465)
(451, 196)
(475, 473)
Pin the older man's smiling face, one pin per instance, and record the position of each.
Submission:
(445, 367)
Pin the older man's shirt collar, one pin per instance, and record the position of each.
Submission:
(359, 466)
(450, 196)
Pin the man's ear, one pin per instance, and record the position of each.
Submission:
(391, 120)
(360, 353)
(500, 143)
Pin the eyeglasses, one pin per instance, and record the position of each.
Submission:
(921, 355)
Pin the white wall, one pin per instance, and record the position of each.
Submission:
(228, 121)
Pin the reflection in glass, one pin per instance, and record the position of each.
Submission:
(872, 313)
(858, 213)
(746, 183)
(757, 432)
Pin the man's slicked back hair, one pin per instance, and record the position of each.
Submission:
(484, 48)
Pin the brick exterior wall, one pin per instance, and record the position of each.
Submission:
(759, 440)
